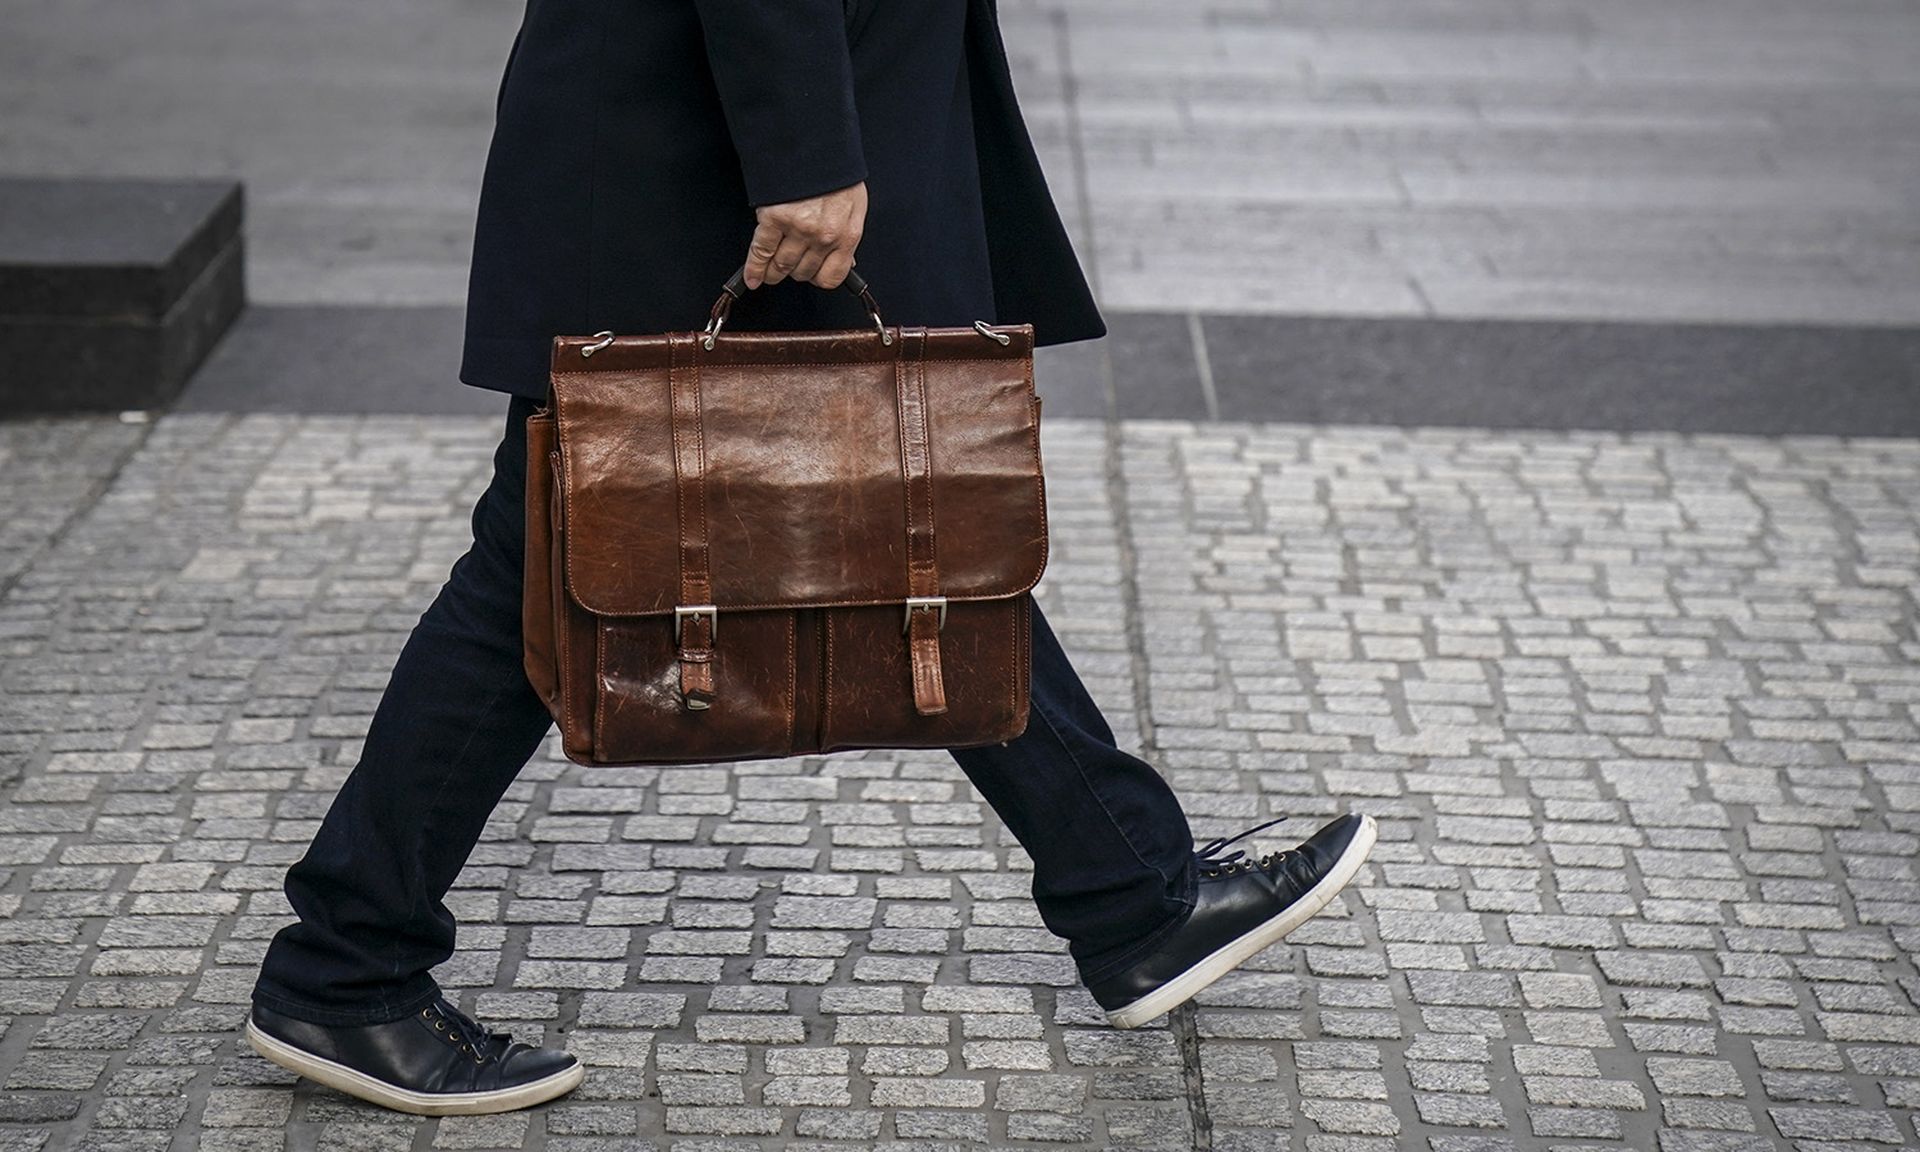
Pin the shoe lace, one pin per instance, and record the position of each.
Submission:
(466, 1034)
(1213, 863)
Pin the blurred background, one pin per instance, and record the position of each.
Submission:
(1722, 174)
(1510, 426)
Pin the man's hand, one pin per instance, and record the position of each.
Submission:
(810, 240)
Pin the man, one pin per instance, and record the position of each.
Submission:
(641, 151)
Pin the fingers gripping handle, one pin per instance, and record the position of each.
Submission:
(736, 287)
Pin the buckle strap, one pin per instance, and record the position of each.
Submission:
(923, 570)
(923, 649)
(922, 559)
(925, 617)
(695, 621)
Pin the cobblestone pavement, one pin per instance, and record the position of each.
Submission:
(1637, 714)
(53, 470)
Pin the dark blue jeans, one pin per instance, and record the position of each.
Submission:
(1112, 855)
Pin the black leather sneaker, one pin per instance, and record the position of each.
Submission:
(1243, 906)
(436, 1062)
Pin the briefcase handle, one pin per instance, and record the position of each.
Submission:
(736, 287)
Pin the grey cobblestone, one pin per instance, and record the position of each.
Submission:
(1637, 715)
(1685, 901)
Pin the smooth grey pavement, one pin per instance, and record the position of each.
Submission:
(1637, 714)
(1305, 369)
(1705, 160)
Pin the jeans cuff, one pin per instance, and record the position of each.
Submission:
(379, 1012)
(1110, 962)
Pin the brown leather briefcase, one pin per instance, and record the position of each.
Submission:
(753, 545)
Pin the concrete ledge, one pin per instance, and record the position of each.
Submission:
(1384, 371)
(113, 291)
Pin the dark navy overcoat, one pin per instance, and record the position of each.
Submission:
(633, 138)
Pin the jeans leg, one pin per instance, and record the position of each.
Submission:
(1112, 854)
(457, 723)
(1111, 849)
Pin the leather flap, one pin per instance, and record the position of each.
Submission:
(805, 493)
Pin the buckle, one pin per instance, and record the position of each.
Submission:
(919, 603)
(708, 610)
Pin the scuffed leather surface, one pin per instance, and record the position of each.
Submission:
(804, 498)
(690, 462)
(806, 537)
(637, 712)
(839, 346)
(1228, 907)
(577, 648)
(869, 678)
(536, 623)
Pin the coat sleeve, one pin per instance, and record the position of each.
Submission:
(785, 79)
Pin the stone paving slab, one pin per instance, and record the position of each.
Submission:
(353, 360)
(1637, 713)
(1398, 371)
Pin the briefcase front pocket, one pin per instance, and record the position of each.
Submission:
(868, 699)
(638, 712)
(804, 680)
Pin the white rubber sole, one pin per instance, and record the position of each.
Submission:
(400, 1099)
(1194, 980)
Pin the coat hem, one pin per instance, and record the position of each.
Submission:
(519, 365)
